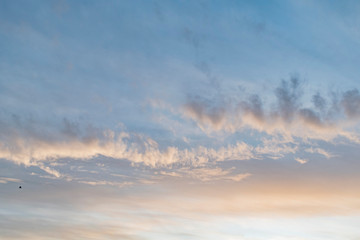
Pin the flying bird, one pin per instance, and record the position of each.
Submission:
(19, 186)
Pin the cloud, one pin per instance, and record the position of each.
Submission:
(49, 170)
(351, 103)
(206, 174)
(287, 115)
(253, 107)
(239, 177)
(110, 183)
(301, 160)
(31, 145)
(319, 102)
(171, 174)
(288, 94)
(319, 151)
(71, 140)
(276, 147)
(7, 180)
(206, 112)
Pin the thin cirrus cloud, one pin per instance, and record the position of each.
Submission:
(206, 174)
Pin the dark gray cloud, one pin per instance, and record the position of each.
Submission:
(254, 106)
(319, 102)
(310, 117)
(289, 110)
(205, 110)
(71, 129)
(288, 94)
(351, 103)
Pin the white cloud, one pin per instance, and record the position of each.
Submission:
(206, 174)
(110, 183)
(301, 160)
(32, 150)
(319, 151)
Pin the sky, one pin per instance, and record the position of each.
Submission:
(144, 120)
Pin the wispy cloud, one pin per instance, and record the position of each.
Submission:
(110, 183)
(206, 174)
(7, 180)
(320, 151)
(301, 160)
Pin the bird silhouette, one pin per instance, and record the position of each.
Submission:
(19, 186)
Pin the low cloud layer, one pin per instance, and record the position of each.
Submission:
(35, 144)
(287, 123)
(31, 145)
(44, 149)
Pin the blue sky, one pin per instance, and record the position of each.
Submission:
(179, 119)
